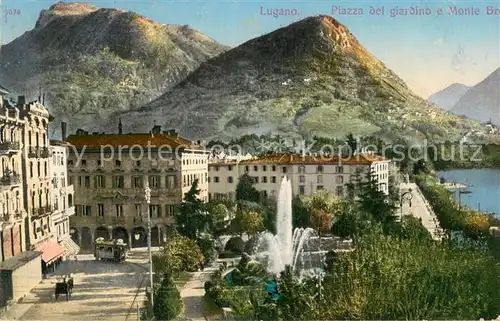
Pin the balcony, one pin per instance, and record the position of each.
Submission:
(10, 179)
(42, 211)
(9, 217)
(9, 147)
(38, 152)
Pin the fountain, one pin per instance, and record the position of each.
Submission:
(286, 248)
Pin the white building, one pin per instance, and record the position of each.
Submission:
(61, 198)
(308, 173)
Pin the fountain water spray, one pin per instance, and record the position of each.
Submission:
(286, 247)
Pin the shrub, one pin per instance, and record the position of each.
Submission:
(184, 254)
(168, 303)
(235, 245)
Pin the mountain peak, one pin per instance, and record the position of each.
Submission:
(60, 9)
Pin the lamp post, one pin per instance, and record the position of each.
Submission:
(147, 196)
(406, 196)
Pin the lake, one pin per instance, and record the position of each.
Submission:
(484, 185)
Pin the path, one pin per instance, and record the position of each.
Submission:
(420, 208)
(193, 293)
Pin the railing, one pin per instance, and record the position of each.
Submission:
(38, 152)
(44, 210)
(6, 146)
(7, 217)
(11, 179)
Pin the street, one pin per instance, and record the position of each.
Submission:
(102, 291)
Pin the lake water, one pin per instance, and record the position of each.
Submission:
(484, 185)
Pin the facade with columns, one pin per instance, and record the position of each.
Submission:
(12, 212)
(110, 173)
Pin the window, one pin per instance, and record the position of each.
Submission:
(136, 181)
(319, 169)
(340, 179)
(256, 179)
(84, 162)
(118, 163)
(217, 168)
(154, 181)
(170, 181)
(230, 179)
(264, 179)
(255, 168)
(118, 182)
(100, 209)
(87, 182)
(154, 210)
(88, 210)
(273, 179)
(302, 179)
(70, 162)
(302, 169)
(99, 181)
(39, 169)
(320, 179)
(138, 163)
(54, 182)
(99, 163)
(138, 210)
(264, 168)
(319, 187)
(339, 169)
(63, 182)
(70, 180)
(31, 169)
(170, 210)
(216, 179)
(284, 169)
(119, 210)
(246, 169)
(273, 168)
(45, 169)
(230, 168)
(302, 190)
(340, 191)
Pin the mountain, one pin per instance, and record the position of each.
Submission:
(449, 96)
(92, 62)
(482, 102)
(309, 78)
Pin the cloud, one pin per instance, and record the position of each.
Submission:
(438, 42)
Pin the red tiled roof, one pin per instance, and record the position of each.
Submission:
(292, 159)
(51, 251)
(123, 140)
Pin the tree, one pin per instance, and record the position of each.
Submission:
(190, 219)
(320, 220)
(300, 213)
(183, 253)
(249, 222)
(245, 191)
(352, 143)
(168, 303)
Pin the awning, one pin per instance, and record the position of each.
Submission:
(70, 247)
(51, 251)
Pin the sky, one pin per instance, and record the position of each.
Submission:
(429, 52)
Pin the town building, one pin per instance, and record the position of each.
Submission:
(110, 173)
(308, 173)
(61, 197)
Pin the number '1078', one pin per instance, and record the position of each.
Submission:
(12, 12)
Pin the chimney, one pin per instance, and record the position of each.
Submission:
(120, 127)
(21, 100)
(43, 99)
(63, 130)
